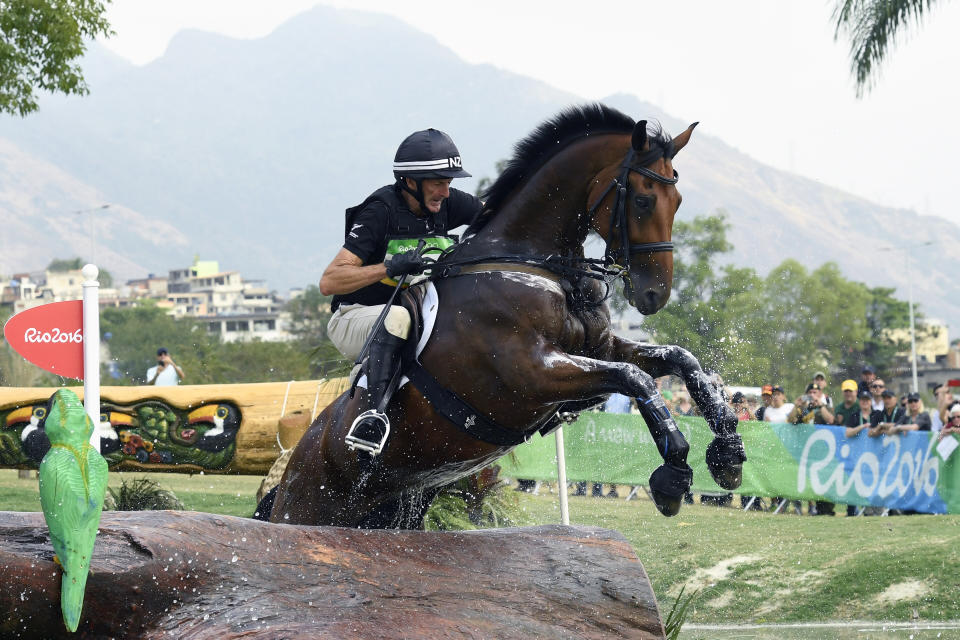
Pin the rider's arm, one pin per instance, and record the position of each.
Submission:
(346, 273)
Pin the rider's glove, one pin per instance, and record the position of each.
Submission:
(409, 263)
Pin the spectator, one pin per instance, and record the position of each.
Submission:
(820, 379)
(739, 404)
(867, 376)
(684, 406)
(860, 420)
(765, 396)
(779, 408)
(882, 421)
(915, 418)
(810, 408)
(856, 424)
(876, 389)
(953, 423)
(945, 399)
(166, 373)
(667, 396)
(849, 406)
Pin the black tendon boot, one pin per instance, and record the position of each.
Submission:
(370, 430)
(671, 480)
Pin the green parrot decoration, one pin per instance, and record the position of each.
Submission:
(73, 481)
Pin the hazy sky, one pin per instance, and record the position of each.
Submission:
(766, 77)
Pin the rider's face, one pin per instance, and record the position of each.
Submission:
(435, 191)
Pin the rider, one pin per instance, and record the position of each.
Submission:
(378, 248)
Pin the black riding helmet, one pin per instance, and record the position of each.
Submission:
(426, 154)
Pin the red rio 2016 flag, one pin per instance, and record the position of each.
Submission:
(50, 336)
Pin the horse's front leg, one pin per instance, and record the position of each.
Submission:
(571, 377)
(725, 455)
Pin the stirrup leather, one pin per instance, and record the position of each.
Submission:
(371, 447)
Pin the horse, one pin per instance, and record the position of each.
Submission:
(522, 333)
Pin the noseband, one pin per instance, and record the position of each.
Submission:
(618, 217)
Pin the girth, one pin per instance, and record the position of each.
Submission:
(463, 416)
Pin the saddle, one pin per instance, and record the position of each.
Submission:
(448, 404)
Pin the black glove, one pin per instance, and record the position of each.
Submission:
(409, 263)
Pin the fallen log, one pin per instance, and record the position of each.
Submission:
(164, 574)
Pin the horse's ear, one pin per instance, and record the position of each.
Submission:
(639, 135)
(681, 140)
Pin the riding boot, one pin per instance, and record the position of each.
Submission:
(370, 430)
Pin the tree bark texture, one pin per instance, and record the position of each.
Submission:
(192, 576)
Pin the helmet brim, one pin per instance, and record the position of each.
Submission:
(434, 173)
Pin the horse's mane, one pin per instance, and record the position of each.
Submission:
(547, 140)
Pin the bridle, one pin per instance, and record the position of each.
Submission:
(618, 216)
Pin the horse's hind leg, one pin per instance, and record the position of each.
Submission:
(406, 511)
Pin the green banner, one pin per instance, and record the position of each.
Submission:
(804, 462)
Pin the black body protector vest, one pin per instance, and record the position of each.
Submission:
(404, 232)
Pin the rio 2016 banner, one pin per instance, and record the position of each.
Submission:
(804, 462)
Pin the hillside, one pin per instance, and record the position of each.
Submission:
(249, 151)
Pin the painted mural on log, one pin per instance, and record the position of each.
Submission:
(148, 435)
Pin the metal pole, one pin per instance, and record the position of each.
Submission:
(91, 348)
(562, 478)
(913, 336)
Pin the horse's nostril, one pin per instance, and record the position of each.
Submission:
(652, 298)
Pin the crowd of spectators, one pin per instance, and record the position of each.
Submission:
(864, 405)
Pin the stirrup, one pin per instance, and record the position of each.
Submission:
(371, 447)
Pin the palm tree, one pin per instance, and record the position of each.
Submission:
(872, 26)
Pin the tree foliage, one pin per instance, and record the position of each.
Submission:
(40, 43)
(134, 334)
(776, 329)
(872, 27)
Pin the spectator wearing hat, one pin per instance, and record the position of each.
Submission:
(166, 373)
(849, 405)
(810, 408)
(860, 420)
(821, 379)
(739, 404)
(857, 423)
(766, 395)
(915, 418)
(877, 387)
(952, 425)
(882, 421)
(778, 409)
(867, 375)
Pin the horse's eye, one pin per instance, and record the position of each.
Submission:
(643, 202)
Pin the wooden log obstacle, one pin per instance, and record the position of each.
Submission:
(194, 576)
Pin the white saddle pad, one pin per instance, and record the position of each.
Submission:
(431, 303)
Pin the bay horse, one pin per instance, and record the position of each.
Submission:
(523, 331)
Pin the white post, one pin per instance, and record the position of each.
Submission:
(562, 478)
(91, 348)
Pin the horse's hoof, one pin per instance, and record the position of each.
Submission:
(668, 484)
(725, 458)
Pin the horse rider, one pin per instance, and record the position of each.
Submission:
(381, 235)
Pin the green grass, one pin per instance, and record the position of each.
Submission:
(757, 568)
(752, 568)
(228, 495)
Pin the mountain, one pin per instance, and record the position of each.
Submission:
(45, 213)
(250, 150)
